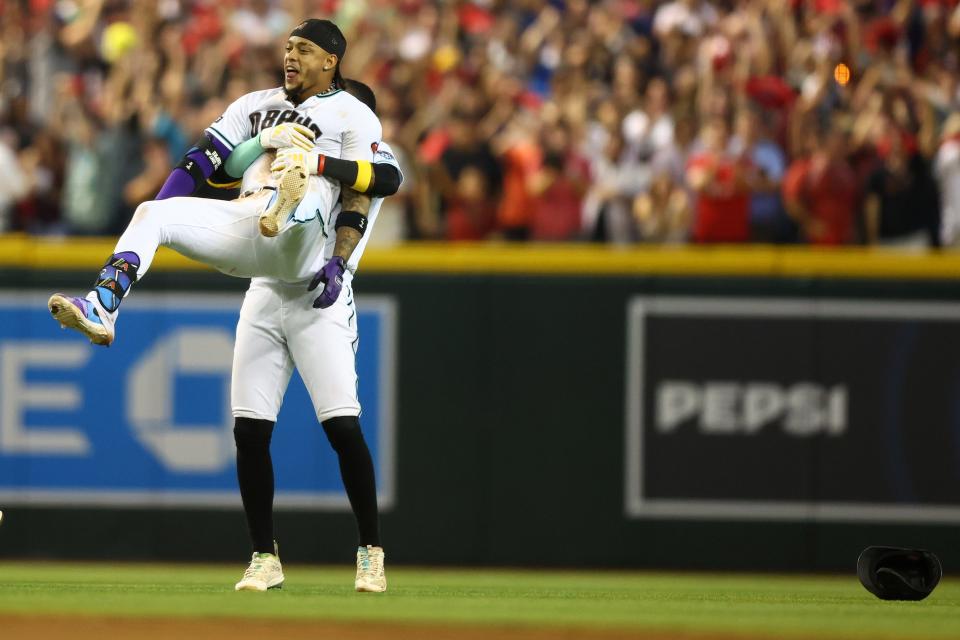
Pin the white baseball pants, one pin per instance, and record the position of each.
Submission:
(278, 330)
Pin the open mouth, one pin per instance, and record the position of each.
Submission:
(290, 74)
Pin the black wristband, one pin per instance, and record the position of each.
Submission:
(352, 219)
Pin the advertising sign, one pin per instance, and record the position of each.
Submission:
(147, 421)
(793, 409)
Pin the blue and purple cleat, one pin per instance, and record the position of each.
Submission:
(83, 316)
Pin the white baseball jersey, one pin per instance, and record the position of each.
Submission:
(225, 234)
(279, 329)
(343, 127)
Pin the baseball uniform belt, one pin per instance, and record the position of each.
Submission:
(253, 192)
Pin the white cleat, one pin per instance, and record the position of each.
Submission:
(82, 315)
(290, 191)
(370, 575)
(263, 573)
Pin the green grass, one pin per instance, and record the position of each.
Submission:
(801, 606)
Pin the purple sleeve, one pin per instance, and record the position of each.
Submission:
(179, 183)
(198, 165)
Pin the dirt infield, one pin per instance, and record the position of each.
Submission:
(83, 628)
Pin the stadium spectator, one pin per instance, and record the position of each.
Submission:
(260, 23)
(43, 166)
(147, 184)
(522, 160)
(902, 204)
(467, 177)
(947, 170)
(649, 129)
(470, 210)
(558, 188)
(768, 221)
(641, 77)
(663, 213)
(13, 182)
(616, 180)
(820, 190)
(720, 182)
(85, 206)
(674, 157)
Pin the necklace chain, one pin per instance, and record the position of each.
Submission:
(333, 88)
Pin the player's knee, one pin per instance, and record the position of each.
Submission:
(154, 210)
(143, 212)
(250, 433)
(342, 430)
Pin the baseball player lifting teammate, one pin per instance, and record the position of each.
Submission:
(313, 242)
(278, 332)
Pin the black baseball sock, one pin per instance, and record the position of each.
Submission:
(356, 469)
(255, 476)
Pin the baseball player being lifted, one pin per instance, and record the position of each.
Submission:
(311, 111)
(279, 330)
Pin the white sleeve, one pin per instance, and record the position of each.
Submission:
(233, 127)
(362, 138)
(384, 155)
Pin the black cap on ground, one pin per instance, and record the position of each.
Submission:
(894, 573)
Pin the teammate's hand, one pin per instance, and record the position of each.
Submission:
(291, 157)
(331, 275)
(286, 135)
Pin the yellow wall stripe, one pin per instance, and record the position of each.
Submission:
(570, 259)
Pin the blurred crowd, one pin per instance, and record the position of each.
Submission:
(625, 121)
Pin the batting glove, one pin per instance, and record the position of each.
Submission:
(331, 275)
(287, 135)
(292, 157)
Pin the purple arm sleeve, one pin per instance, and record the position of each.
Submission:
(179, 183)
(200, 162)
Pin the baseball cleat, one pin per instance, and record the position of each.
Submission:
(370, 575)
(263, 573)
(82, 315)
(290, 191)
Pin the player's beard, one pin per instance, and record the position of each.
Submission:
(294, 94)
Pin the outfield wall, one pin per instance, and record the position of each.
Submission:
(730, 408)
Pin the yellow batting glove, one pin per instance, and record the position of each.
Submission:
(293, 157)
(286, 136)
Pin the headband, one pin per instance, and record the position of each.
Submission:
(324, 34)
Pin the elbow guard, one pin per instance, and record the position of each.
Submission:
(204, 159)
(386, 180)
(194, 170)
(190, 176)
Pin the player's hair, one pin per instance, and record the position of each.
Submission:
(362, 92)
(338, 77)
